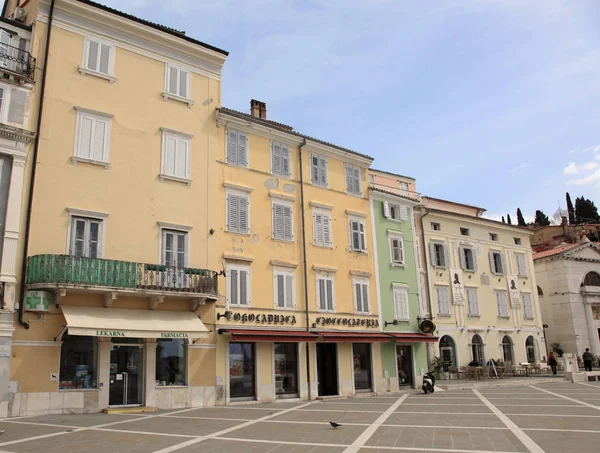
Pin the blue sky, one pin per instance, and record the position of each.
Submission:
(495, 103)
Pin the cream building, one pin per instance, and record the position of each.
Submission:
(482, 286)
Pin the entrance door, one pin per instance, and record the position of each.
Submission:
(126, 375)
(405, 368)
(361, 356)
(327, 369)
(286, 369)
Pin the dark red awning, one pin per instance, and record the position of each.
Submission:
(353, 337)
(277, 336)
(412, 337)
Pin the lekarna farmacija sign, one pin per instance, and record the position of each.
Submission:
(37, 301)
(124, 334)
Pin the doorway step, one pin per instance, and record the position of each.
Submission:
(332, 397)
(128, 410)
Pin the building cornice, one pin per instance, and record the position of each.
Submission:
(16, 133)
(491, 224)
(379, 195)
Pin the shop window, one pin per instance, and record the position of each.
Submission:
(242, 380)
(78, 362)
(286, 369)
(171, 359)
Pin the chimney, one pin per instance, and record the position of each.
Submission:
(258, 109)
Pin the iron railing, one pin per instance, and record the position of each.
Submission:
(17, 60)
(86, 272)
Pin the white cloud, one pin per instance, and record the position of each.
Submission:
(574, 169)
(592, 178)
(521, 168)
(590, 149)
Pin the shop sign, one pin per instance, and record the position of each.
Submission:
(37, 301)
(110, 333)
(346, 322)
(263, 319)
(173, 335)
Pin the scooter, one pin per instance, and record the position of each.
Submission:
(428, 383)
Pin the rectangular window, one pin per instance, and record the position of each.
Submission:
(493, 237)
(325, 293)
(436, 226)
(238, 216)
(521, 266)
(394, 211)
(238, 286)
(404, 189)
(502, 304)
(98, 56)
(401, 304)
(517, 241)
(467, 259)
(177, 82)
(527, 307)
(237, 148)
(176, 156)
(86, 237)
(318, 170)
(78, 362)
(284, 289)
(443, 300)
(322, 229)
(174, 248)
(282, 222)
(13, 105)
(280, 159)
(439, 254)
(464, 232)
(92, 137)
(473, 301)
(396, 249)
(497, 263)
(171, 362)
(357, 236)
(361, 297)
(353, 180)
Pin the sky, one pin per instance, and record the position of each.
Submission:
(494, 103)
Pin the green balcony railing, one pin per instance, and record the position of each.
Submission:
(80, 271)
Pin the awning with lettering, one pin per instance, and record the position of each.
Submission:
(412, 337)
(353, 337)
(276, 336)
(127, 323)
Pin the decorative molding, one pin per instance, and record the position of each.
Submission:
(201, 346)
(321, 268)
(109, 298)
(40, 343)
(315, 204)
(85, 71)
(93, 112)
(230, 185)
(76, 159)
(281, 263)
(236, 257)
(87, 213)
(174, 226)
(156, 301)
(174, 132)
(164, 177)
(166, 96)
(394, 232)
(356, 214)
(16, 133)
(18, 161)
(281, 195)
(359, 273)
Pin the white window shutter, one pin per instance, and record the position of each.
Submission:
(280, 289)
(183, 84)
(285, 161)
(355, 233)
(432, 253)
(278, 221)
(318, 229)
(327, 230)
(356, 174)
(276, 158)
(181, 157)
(365, 298)
(172, 82)
(474, 256)
(446, 256)
(363, 239)
(329, 284)
(349, 183)
(104, 66)
(463, 261)
(401, 251)
(492, 267)
(403, 213)
(358, 298)
(314, 165)
(502, 266)
(404, 298)
(99, 138)
(323, 171)
(243, 214)
(289, 291)
(85, 137)
(93, 51)
(242, 150)
(321, 289)
(18, 107)
(170, 155)
(386, 209)
(243, 287)
(232, 216)
(287, 223)
(232, 146)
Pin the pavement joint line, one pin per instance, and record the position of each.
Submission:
(444, 413)
(567, 398)
(538, 405)
(51, 425)
(590, 385)
(114, 430)
(393, 425)
(441, 404)
(281, 442)
(191, 417)
(429, 449)
(228, 430)
(518, 432)
(361, 440)
(340, 410)
(563, 430)
(552, 415)
(301, 422)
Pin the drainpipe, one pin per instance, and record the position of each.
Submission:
(425, 254)
(304, 266)
(36, 146)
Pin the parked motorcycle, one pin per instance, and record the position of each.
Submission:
(428, 383)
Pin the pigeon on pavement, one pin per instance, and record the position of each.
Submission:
(334, 424)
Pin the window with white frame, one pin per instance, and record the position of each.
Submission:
(86, 237)
(238, 214)
(174, 248)
(395, 211)
(473, 302)
(443, 300)
(325, 293)
(282, 221)
(439, 254)
(468, 260)
(322, 228)
(521, 266)
(404, 188)
(318, 170)
(401, 303)
(396, 248)
(358, 242)
(99, 56)
(361, 296)
(527, 307)
(284, 283)
(13, 105)
(92, 137)
(502, 304)
(176, 155)
(353, 180)
(238, 286)
(497, 263)
(280, 159)
(237, 148)
(177, 81)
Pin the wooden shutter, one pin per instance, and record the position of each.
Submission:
(242, 150)
(276, 158)
(327, 230)
(403, 212)
(183, 84)
(329, 284)
(78, 237)
(280, 287)
(358, 297)
(233, 213)
(363, 239)
(322, 171)
(463, 260)
(319, 240)
(104, 64)
(492, 266)
(402, 304)
(243, 214)
(92, 56)
(168, 248)
(181, 159)
(355, 234)
(365, 297)
(528, 309)
(502, 303)
(443, 305)
(85, 137)
(322, 294)
(287, 223)
(99, 144)
(386, 209)
(285, 160)
(172, 82)
(472, 301)
(446, 260)
(243, 287)
(521, 265)
(170, 155)
(278, 230)
(234, 282)
(349, 183)
(474, 256)
(356, 174)
(314, 166)
(289, 291)
(232, 146)
(432, 253)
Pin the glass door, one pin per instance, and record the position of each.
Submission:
(126, 375)
(362, 366)
(286, 369)
(242, 379)
(405, 368)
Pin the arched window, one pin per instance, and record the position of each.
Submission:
(540, 292)
(507, 349)
(591, 279)
(447, 352)
(530, 349)
(78, 362)
(477, 349)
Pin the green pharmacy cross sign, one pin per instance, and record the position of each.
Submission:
(37, 301)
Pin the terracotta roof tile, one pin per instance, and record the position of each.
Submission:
(555, 251)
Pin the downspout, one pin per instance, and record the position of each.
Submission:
(425, 254)
(34, 157)
(304, 266)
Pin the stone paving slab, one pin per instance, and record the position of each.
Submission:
(238, 413)
(172, 425)
(227, 446)
(14, 431)
(440, 420)
(457, 409)
(366, 406)
(340, 417)
(557, 423)
(81, 420)
(560, 442)
(581, 410)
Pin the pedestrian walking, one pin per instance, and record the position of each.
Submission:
(587, 359)
(552, 362)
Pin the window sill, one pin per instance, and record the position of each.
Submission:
(101, 75)
(473, 315)
(362, 252)
(233, 164)
(240, 234)
(363, 313)
(397, 264)
(407, 321)
(444, 315)
(528, 318)
(287, 241)
(503, 317)
(471, 271)
(293, 308)
(76, 159)
(166, 96)
(330, 247)
(325, 311)
(324, 186)
(175, 178)
(171, 386)
(78, 390)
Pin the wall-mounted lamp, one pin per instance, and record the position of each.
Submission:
(226, 315)
(393, 323)
(211, 231)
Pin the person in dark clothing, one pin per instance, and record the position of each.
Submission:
(587, 359)
(552, 362)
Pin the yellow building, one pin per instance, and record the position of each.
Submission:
(121, 249)
(300, 315)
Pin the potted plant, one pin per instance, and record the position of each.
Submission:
(438, 367)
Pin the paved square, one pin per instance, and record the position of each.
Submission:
(552, 417)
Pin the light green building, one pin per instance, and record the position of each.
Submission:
(393, 200)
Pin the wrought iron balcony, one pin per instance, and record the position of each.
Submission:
(17, 61)
(65, 271)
